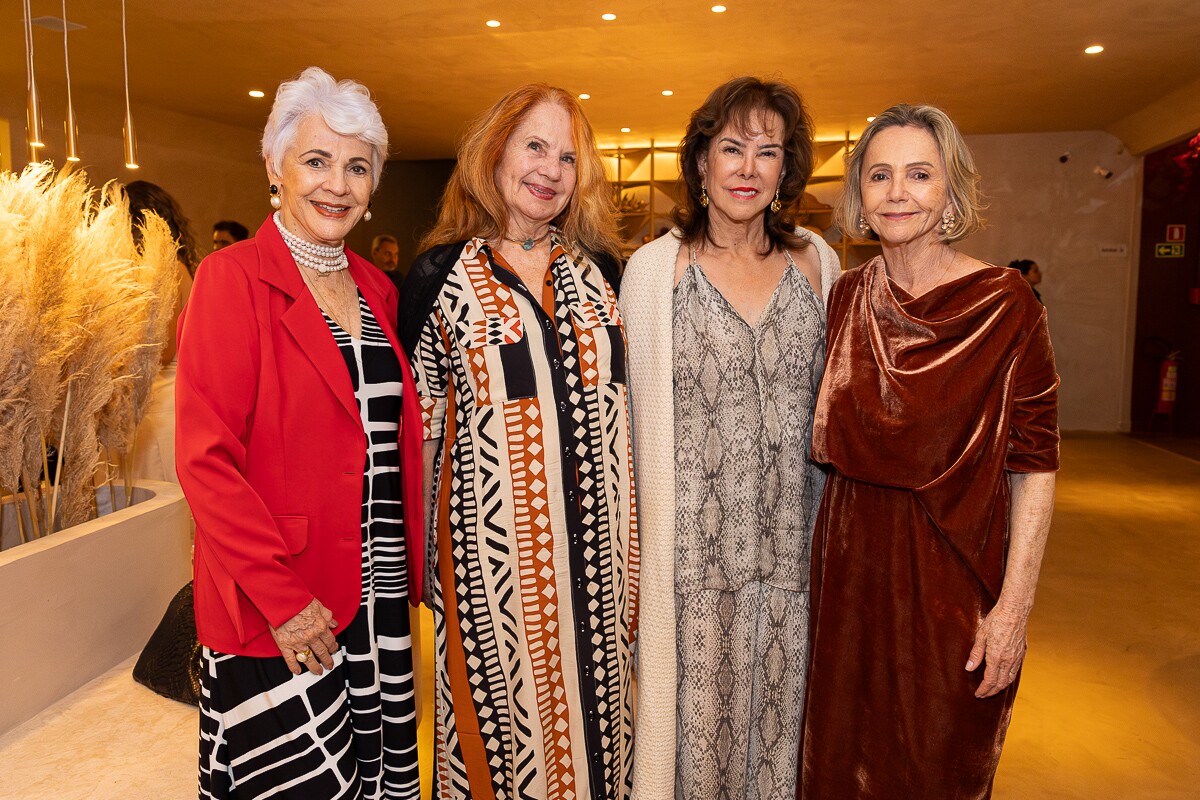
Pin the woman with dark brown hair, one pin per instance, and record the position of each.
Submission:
(726, 322)
(154, 454)
(519, 356)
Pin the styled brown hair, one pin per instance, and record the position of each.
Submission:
(735, 104)
(144, 197)
(472, 205)
(962, 180)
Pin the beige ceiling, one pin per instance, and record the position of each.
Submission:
(997, 67)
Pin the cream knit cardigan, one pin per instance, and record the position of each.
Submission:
(646, 300)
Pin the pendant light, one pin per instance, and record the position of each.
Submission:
(33, 107)
(72, 128)
(131, 161)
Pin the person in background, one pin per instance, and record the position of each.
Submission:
(154, 456)
(510, 314)
(726, 325)
(938, 418)
(385, 252)
(1031, 272)
(299, 452)
(227, 232)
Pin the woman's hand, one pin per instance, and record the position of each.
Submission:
(309, 633)
(1000, 645)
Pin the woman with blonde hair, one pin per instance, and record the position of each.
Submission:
(519, 354)
(938, 418)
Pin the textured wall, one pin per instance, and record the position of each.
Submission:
(1081, 228)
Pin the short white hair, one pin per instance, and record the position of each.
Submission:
(346, 106)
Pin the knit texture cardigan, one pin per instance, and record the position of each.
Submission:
(645, 304)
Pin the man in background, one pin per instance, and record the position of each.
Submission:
(385, 253)
(226, 232)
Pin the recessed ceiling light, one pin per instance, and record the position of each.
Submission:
(625, 130)
(1096, 48)
(493, 23)
(718, 9)
(667, 92)
(257, 93)
(870, 119)
(608, 17)
(585, 96)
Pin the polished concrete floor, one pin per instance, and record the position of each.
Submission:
(1109, 704)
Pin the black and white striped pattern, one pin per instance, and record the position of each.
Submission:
(352, 732)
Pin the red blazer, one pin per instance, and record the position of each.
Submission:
(269, 446)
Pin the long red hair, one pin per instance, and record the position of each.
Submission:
(472, 206)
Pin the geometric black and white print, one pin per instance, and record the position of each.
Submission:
(534, 573)
(352, 731)
(746, 500)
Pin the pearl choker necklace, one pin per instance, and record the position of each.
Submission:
(323, 259)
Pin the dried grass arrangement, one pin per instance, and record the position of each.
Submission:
(84, 315)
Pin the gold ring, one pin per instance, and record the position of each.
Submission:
(302, 657)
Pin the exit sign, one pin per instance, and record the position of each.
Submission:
(1168, 250)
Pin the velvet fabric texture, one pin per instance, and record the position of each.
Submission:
(927, 404)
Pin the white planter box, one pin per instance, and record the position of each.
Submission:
(78, 602)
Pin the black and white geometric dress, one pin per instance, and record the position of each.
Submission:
(352, 731)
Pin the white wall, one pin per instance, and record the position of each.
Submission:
(1071, 220)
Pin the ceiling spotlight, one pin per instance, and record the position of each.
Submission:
(585, 96)
(608, 17)
(870, 119)
(1094, 49)
(625, 130)
(718, 9)
(257, 93)
(667, 93)
(493, 23)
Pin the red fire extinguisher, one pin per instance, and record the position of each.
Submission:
(1168, 382)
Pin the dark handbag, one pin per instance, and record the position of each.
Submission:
(170, 662)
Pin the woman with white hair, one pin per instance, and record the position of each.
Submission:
(299, 449)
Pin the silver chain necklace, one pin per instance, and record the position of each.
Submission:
(322, 259)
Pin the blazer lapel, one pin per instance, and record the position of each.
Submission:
(302, 318)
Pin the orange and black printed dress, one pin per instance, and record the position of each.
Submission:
(926, 406)
(535, 577)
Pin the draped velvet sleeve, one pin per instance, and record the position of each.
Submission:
(1033, 442)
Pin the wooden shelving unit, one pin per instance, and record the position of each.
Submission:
(645, 188)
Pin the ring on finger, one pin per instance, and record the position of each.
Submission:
(303, 655)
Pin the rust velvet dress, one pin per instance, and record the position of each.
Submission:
(927, 404)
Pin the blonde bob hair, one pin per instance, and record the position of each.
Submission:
(472, 205)
(962, 181)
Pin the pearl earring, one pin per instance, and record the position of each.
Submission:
(367, 216)
(948, 220)
(276, 202)
(863, 227)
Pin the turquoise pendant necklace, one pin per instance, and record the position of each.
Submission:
(529, 243)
